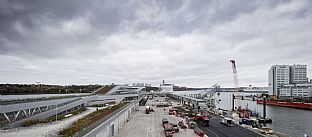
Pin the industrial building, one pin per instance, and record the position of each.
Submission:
(289, 81)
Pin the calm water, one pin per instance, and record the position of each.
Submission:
(294, 122)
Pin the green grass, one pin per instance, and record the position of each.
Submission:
(88, 120)
(103, 105)
(53, 118)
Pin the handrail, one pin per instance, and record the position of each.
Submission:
(106, 120)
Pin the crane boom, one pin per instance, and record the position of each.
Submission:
(234, 73)
(235, 77)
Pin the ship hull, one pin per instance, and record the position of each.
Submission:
(306, 106)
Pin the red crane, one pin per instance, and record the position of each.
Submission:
(235, 81)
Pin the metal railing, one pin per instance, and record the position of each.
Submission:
(98, 126)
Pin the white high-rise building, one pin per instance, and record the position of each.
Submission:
(289, 81)
(298, 74)
(278, 75)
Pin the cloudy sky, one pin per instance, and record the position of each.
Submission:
(188, 43)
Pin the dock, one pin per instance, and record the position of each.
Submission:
(150, 125)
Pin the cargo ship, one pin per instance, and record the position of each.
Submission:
(299, 105)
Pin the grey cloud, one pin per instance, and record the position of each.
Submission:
(184, 42)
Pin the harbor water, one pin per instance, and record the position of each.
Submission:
(290, 121)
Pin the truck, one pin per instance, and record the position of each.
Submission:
(165, 121)
(227, 121)
(173, 111)
(148, 109)
(202, 119)
(175, 127)
(168, 128)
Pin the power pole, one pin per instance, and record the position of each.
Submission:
(233, 98)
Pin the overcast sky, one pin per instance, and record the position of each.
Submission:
(188, 43)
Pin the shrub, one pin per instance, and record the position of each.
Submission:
(53, 118)
(88, 120)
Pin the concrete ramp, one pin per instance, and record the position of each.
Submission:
(44, 115)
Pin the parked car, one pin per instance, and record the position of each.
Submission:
(203, 119)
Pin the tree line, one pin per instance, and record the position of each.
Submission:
(21, 89)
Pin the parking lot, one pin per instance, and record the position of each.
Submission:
(150, 125)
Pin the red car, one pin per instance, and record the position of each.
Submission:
(204, 120)
(199, 132)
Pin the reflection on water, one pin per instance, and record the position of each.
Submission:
(294, 122)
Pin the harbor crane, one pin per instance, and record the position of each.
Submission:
(235, 77)
(208, 94)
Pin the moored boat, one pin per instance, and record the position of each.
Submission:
(300, 105)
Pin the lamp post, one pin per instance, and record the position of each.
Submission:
(264, 105)
(233, 99)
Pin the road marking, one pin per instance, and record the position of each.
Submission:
(153, 123)
(149, 123)
(147, 120)
(212, 132)
(158, 127)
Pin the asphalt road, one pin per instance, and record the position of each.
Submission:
(216, 129)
